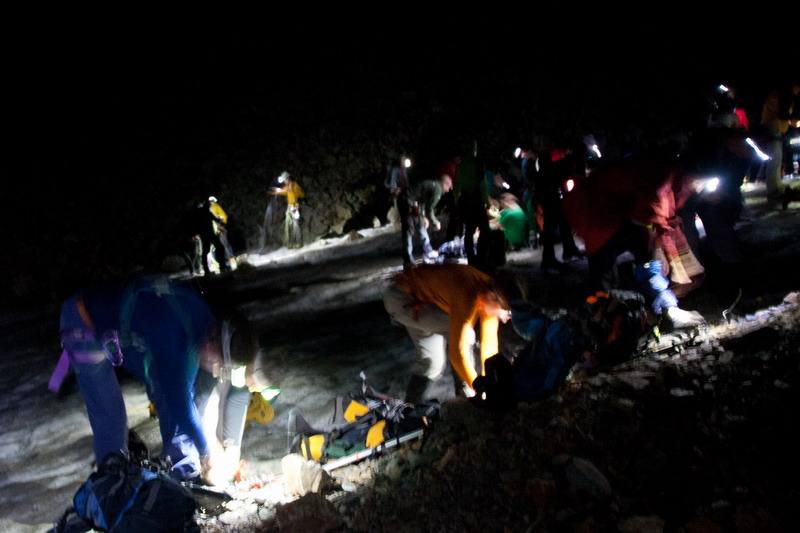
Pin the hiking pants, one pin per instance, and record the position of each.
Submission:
(162, 354)
(428, 332)
(231, 411)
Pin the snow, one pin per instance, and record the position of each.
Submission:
(319, 311)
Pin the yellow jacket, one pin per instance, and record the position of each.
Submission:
(456, 290)
(293, 192)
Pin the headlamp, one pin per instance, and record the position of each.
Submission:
(518, 152)
(707, 185)
(238, 378)
(406, 162)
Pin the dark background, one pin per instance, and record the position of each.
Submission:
(113, 127)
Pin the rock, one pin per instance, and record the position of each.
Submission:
(312, 512)
(583, 475)
(641, 524)
(303, 476)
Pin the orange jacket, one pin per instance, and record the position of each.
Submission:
(456, 290)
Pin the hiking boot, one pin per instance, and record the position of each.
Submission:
(681, 319)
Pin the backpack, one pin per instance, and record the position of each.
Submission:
(609, 328)
(363, 421)
(123, 497)
(544, 363)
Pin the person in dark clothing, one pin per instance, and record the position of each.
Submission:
(397, 183)
(556, 165)
(472, 200)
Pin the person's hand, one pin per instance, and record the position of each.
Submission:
(220, 466)
(438, 226)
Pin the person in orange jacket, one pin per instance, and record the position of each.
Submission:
(440, 305)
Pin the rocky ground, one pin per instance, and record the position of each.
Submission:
(697, 439)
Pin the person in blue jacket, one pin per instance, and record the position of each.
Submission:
(157, 329)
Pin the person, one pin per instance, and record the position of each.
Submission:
(724, 154)
(210, 221)
(294, 193)
(225, 426)
(439, 305)
(423, 198)
(157, 329)
(629, 206)
(472, 200)
(556, 163)
(780, 108)
(397, 184)
(528, 168)
(513, 221)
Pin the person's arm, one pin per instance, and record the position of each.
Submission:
(489, 342)
(463, 311)
(459, 350)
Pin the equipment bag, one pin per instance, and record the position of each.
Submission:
(123, 497)
(362, 420)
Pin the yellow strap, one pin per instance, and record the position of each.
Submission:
(355, 410)
(375, 434)
(313, 445)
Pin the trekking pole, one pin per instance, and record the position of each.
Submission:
(363, 454)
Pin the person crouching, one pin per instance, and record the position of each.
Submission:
(440, 305)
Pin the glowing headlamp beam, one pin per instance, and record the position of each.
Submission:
(759, 153)
(711, 184)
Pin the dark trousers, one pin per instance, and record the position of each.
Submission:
(555, 220)
(472, 212)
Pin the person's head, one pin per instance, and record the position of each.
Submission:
(493, 304)
(266, 371)
(508, 200)
(447, 183)
(496, 298)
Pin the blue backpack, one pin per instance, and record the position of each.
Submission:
(124, 497)
(544, 363)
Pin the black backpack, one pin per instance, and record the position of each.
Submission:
(123, 497)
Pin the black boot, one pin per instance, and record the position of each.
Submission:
(417, 388)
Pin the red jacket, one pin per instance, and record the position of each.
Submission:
(645, 189)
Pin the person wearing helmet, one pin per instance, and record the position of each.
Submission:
(210, 221)
(294, 193)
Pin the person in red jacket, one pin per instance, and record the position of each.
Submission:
(629, 206)
(440, 305)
